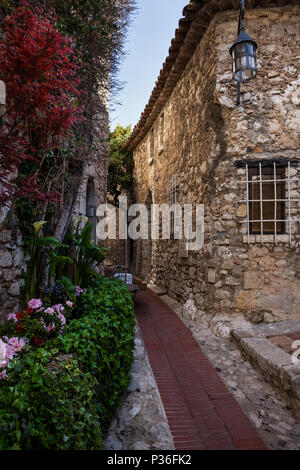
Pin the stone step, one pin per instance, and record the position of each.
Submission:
(274, 362)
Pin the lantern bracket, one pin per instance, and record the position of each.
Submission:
(242, 38)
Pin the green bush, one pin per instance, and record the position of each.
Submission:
(68, 407)
(103, 338)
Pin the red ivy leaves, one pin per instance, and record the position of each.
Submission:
(40, 68)
(20, 316)
(37, 341)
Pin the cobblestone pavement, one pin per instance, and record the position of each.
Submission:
(140, 423)
(259, 400)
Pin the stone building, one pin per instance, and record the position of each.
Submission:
(193, 144)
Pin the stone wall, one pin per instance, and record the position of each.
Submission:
(12, 263)
(93, 181)
(2, 98)
(12, 260)
(198, 137)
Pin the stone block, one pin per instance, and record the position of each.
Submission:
(245, 300)
(10, 274)
(2, 93)
(242, 211)
(251, 280)
(211, 276)
(199, 300)
(267, 262)
(5, 236)
(232, 281)
(222, 294)
(14, 289)
(5, 258)
(18, 257)
(283, 302)
(190, 310)
(228, 264)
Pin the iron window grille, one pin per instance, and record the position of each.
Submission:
(151, 147)
(267, 200)
(270, 207)
(176, 219)
(173, 190)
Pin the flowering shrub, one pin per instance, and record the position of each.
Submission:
(79, 291)
(36, 324)
(9, 348)
(40, 322)
(63, 395)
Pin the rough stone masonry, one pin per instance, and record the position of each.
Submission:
(193, 130)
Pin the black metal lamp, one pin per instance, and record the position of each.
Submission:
(243, 53)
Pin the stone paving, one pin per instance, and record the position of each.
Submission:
(140, 423)
(274, 350)
(201, 411)
(261, 402)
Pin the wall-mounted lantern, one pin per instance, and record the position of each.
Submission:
(243, 53)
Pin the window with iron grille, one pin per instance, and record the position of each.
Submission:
(173, 190)
(267, 200)
(176, 218)
(151, 147)
(272, 201)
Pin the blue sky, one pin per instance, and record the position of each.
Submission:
(147, 45)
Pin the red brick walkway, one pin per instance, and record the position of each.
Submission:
(286, 340)
(201, 412)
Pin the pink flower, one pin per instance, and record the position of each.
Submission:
(3, 375)
(50, 311)
(50, 328)
(59, 308)
(69, 303)
(16, 343)
(79, 291)
(35, 303)
(12, 316)
(8, 351)
(62, 319)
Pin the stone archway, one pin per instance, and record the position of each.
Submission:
(91, 206)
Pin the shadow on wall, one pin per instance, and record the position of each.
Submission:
(91, 206)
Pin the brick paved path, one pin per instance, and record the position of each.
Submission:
(201, 412)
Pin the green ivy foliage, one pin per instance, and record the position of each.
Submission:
(120, 170)
(71, 406)
(103, 338)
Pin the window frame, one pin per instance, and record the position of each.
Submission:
(268, 171)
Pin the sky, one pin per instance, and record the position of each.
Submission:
(147, 45)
